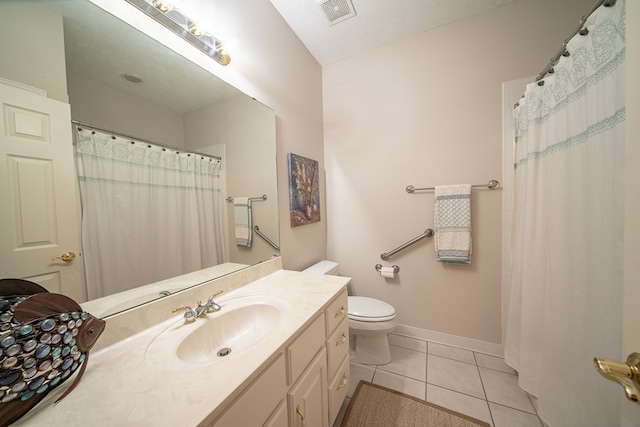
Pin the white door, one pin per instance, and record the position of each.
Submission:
(38, 209)
(631, 309)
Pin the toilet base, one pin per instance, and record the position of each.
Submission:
(370, 349)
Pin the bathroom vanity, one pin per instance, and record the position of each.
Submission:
(276, 354)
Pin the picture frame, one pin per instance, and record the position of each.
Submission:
(304, 190)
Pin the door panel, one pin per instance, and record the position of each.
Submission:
(39, 213)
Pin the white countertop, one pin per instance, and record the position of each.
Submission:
(121, 388)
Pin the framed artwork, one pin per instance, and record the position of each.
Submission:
(304, 190)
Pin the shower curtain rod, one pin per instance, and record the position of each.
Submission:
(122, 135)
(554, 60)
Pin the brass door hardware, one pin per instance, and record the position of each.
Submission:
(626, 374)
(300, 413)
(344, 382)
(66, 257)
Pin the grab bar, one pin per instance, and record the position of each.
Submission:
(427, 233)
(259, 233)
(494, 184)
(263, 197)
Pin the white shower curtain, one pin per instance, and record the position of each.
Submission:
(148, 213)
(566, 289)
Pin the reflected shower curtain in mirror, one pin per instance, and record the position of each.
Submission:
(148, 213)
(566, 288)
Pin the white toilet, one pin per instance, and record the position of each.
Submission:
(370, 320)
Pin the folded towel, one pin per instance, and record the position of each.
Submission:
(452, 223)
(243, 221)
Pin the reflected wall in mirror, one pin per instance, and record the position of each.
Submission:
(81, 54)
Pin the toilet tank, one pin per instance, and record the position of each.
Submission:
(323, 267)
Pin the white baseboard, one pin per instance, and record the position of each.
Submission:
(452, 340)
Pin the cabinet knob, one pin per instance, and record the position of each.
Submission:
(341, 340)
(341, 312)
(300, 413)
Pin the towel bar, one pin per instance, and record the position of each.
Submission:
(263, 197)
(427, 233)
(494, 184)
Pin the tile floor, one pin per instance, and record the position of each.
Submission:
(475, 384)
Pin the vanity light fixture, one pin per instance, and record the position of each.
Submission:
(162, 6)
(195, 30)
(169, 15)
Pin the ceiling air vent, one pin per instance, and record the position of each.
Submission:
(337, 10)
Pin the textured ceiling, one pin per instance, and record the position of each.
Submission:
(376, 22)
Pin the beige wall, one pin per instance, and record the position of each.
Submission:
(32, 34)
(427, 111)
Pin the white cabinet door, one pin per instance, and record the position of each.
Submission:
(38, 189)
(308, 397)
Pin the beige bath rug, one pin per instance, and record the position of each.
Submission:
(376, 406)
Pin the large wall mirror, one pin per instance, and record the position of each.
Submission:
(177, 104)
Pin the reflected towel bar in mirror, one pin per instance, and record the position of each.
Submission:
(263, 197)
(494, 184)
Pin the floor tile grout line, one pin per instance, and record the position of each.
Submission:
(535, 411)
(426, 373)
(493, 423)
(535, 407)
(400, 375)
(442, 344)
(461, 392)
(516, 409)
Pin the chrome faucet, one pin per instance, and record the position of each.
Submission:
(191, 314)
(210, 307)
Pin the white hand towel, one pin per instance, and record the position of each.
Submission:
(243, 221)
(452, 223)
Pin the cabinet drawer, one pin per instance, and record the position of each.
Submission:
(254, 406)
(338, 346)
(305, 347)
(338, 389)
(336, 311)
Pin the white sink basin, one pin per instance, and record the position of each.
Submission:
(242, 323)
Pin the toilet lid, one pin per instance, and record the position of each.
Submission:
(367, 309)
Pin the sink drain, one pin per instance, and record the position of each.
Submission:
(224, 351)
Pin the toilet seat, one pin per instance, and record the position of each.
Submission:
(365, 309)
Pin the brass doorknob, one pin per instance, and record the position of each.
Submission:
(626, 374)
(66, 257)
